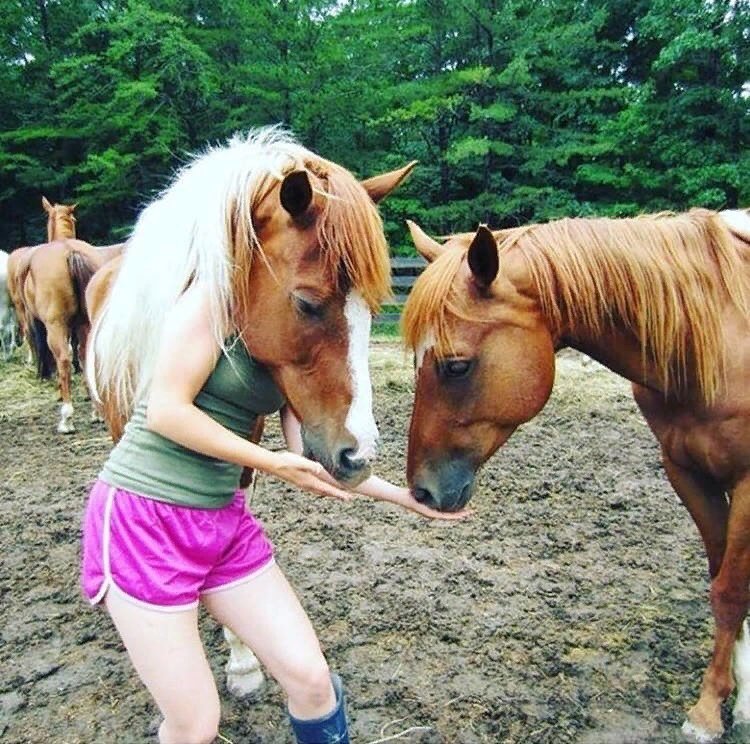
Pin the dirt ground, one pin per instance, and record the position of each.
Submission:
(571, 608)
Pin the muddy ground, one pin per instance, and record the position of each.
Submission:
(571, 608)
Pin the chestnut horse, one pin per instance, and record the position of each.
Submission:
(52, 279)
(292, 249)
(60, 225)
(661, 300)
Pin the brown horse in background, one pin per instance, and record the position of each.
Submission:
(60, 225)
(48, 283)
(664, 301)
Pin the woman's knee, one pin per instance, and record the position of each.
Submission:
(308, 685)
(202, 728)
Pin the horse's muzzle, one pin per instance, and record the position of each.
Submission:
(341, 461)
(447, 486)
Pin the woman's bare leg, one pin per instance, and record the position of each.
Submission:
(266, 615)
(168, 655)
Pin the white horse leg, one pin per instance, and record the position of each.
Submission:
(741, 668)
(244, 676)
(66, 413)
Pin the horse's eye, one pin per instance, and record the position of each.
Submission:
(455, 368)
(308, 308)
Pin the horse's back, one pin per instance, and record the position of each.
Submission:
(56, 277)
(13, 264)
(110, 252)
(97, 292)
(100, 285)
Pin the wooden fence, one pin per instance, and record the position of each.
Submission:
(404, 272)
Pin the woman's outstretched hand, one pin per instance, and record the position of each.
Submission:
(308, 475)
(374, 487)
(403, 497)
(383, 490)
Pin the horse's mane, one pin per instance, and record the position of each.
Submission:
(664, 277)
(60, 226)
(201, 229)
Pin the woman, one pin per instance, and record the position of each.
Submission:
(166, 526)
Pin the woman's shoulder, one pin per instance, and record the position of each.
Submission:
(191, 316)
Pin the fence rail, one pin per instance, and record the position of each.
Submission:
(404, 272)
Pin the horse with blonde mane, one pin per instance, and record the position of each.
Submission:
(49, 281)
(60, 226)
(661, 300)
(292, 250)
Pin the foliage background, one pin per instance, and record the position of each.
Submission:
(517, 110)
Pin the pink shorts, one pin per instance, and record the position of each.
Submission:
(164, 556)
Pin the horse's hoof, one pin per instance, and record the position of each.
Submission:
(700, 735)
(244, 685)
(66, 428)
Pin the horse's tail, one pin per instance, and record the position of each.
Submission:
(45, 361)
(81, 269)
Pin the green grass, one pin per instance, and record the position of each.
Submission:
(385, 330)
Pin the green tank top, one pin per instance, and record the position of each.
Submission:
(237, 391)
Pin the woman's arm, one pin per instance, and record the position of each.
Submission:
(187, 355)
(292, 430)
(374, 487)
(383, 490)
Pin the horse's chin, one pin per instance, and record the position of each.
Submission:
(351, 479)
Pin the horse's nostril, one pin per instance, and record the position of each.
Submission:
(347, 461)
(422, 495)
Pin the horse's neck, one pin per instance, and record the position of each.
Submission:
(615, 347)
(59, 230)
(618, 351)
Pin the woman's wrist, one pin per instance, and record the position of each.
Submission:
(266, 460)
(382, 490)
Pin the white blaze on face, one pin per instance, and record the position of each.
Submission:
(423, 347)
(360, 421)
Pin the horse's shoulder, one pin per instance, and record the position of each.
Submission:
(74, 244)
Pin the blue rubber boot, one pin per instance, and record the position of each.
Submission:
(330, 729)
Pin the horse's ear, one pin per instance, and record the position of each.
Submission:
(46, 205)
(483, 258)
(72, 208)
(296, 192)
(378, 187)
(427, 247)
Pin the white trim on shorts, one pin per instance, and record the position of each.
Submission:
(237, 582)
(109, 582)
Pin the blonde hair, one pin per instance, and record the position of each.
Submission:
(201, 229)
